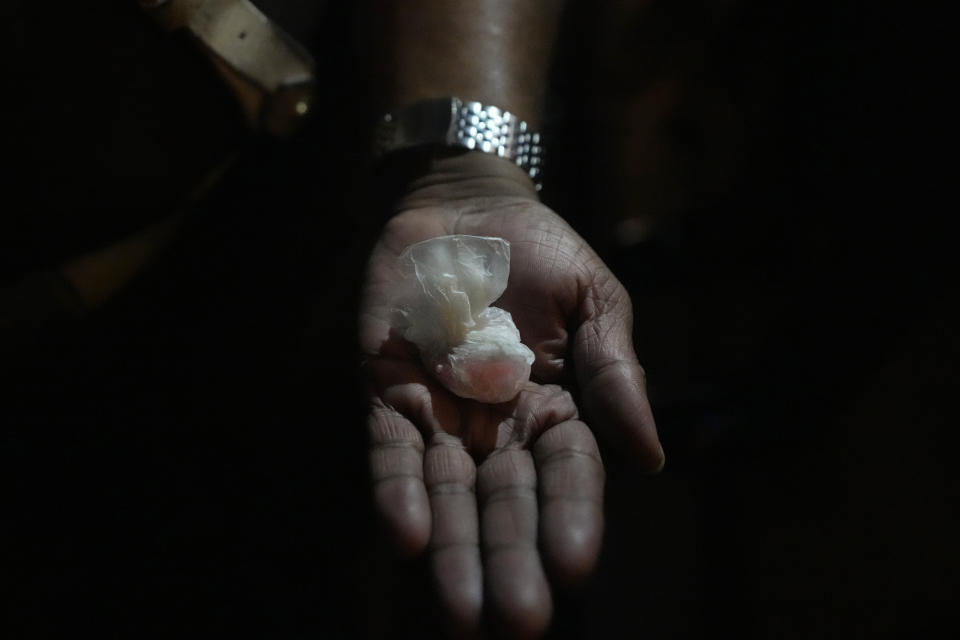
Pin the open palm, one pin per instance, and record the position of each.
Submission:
(504, 495)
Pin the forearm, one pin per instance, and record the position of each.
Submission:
(493, 51)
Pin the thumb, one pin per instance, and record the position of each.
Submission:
(612, 382)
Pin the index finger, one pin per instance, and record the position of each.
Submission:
(571, 483)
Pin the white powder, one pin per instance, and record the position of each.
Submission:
(472, 348)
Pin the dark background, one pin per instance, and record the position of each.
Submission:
(763, 177)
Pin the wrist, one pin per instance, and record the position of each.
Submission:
(470, 174)
(442, 128)
(427, 177)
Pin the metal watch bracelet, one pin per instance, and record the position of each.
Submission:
(453, 122)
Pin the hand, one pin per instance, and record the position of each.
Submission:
(502, 495)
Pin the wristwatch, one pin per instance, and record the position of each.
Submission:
(452, 122)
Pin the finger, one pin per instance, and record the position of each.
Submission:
(538, 407)
(396, 464)
(612, 382)
(450, 477)
(405, 387)
(571, 477)
(516, 585)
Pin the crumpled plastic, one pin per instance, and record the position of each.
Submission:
(472, 348)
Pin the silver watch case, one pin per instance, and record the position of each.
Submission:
(453, 122)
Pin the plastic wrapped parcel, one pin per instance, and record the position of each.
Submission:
(472, 348)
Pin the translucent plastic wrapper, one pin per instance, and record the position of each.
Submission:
(472, 348)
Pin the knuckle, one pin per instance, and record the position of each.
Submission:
(447, 463)
(509, 471)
